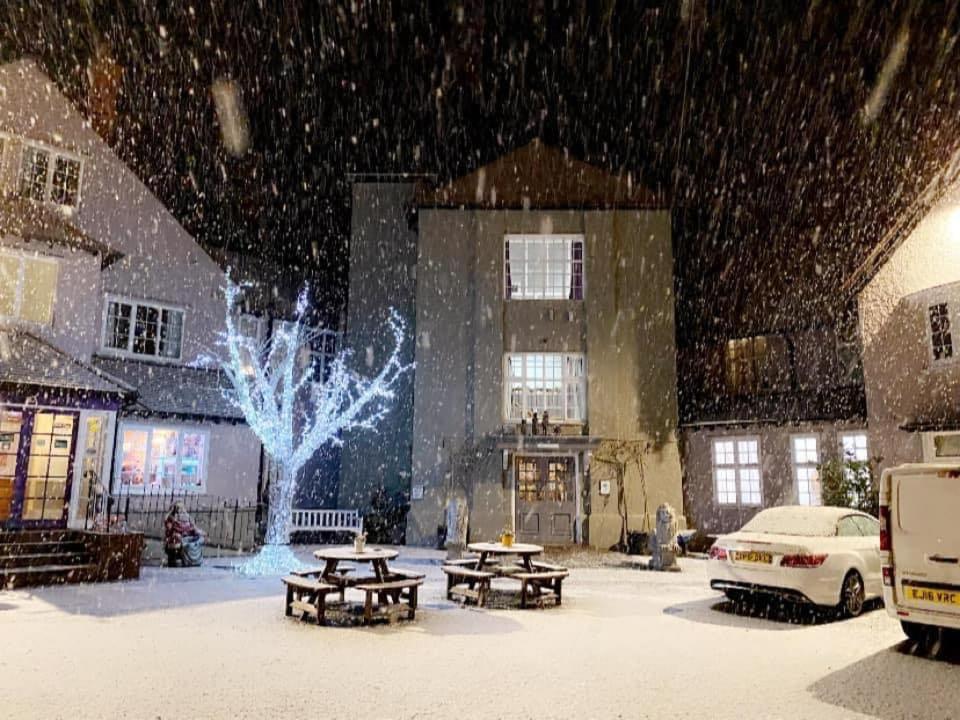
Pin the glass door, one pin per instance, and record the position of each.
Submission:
(49, 462)
(11, 422)
(92, 442)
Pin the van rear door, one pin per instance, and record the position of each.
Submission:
(926, 538)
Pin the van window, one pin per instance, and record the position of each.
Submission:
(868, 526)
(848, 528)
(928, 505)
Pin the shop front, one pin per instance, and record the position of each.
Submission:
(54, 450)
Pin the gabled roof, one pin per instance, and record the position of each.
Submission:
(540, 177)
(173, 390)
(37, 221)
(942, 183)
(28, 360)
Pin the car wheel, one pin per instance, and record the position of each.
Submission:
(852, 595)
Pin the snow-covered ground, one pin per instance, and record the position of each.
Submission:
(205, 643)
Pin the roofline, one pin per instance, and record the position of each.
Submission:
(903, 226)
(574, 207)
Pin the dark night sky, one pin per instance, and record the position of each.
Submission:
(752, 119)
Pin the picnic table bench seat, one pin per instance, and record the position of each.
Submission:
(540, 586)
(307, 596)
(406, 574)
(542, 565)
(396, 590)
(461, 581)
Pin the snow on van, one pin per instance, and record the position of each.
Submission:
(920, 546)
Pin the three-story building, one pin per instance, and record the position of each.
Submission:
(538, 295)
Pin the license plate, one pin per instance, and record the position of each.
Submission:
(932, 595)
(752, 556)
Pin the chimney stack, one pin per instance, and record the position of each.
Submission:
(105, 77)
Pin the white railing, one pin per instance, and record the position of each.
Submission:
(327, 520)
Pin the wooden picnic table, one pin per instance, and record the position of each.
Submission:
(525, 551)
(392, 587)
(470, 578)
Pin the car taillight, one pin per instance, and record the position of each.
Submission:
(803, 561)
(718, 553)
(888, 575)
(885, 528)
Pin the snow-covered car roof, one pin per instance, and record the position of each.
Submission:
(799, 520)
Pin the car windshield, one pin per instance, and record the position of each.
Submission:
(793, 521)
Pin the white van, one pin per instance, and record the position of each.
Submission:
(920, 546)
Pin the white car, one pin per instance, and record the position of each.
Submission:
(826, 556)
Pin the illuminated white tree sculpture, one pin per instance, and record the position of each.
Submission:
(293, 412)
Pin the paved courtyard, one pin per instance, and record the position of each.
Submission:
(204, 643)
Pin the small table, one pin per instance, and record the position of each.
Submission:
(524, 550)
(390, 587)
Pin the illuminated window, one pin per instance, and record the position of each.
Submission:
(756, 364)
(138, 328)
(546, 382)
(543, 267)
(806, 458)
(49, 175)
(736, 471)
(162, 458)
(28, 287)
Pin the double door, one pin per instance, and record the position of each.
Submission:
(36, 465)
(546, 498)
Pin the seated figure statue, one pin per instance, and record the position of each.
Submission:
(182, 540)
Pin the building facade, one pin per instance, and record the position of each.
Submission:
(107, 306)
(762, 412)
(909, 320)
(539, 297)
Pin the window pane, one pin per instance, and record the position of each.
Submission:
(170, 333)
(538, 267)
(726, 486)
(66, 181)
(854, 447)
(118, 325)
(163, 457)
(33, 173)
(145, 330)
(808, 486)
(946, 446)
(191, 463)
(39, 290)
(750, 486)
(9, 283)
(134, 457)
(940, 336)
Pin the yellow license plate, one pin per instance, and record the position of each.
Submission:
(932, 595)
(752, 556)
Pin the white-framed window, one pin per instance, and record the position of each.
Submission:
(736, 471)
(161, 457)
(854, 446)
(555, 383)
(142, 329)
(28, 287)
(50, 175)
(805, 453)
(543, 267)
(323, 352)
(941, 336)
(941, 446)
